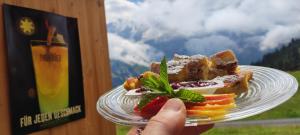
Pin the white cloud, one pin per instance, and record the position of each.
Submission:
(233, 20)
(210, 45)
(279, 36)
(119, 10)
(156, 19)
(130, 52)
(261, 25)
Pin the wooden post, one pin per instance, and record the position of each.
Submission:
(95, 64)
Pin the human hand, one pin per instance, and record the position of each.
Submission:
(170, 120)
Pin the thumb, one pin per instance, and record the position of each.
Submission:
(169, 120)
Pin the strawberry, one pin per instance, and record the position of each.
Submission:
(151, 108)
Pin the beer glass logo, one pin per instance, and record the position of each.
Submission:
(26, 26)
(50, 61)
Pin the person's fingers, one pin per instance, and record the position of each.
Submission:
(133, 131)
(169, 120)
(196, 130)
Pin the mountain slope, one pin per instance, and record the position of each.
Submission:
(121, 71)
(286, 58)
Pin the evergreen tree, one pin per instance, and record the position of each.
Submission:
(285, 58)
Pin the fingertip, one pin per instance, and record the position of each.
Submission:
(169, 120)
(174, 104)
(132, 131)
(135, 131)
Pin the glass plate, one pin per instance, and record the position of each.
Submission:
(268, 89)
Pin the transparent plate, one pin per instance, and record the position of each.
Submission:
(268, 89)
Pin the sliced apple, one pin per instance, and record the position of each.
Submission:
(213, 107)
(219, 96)
(206, 113)
(212, 102)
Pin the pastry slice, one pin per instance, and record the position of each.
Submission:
(198, 66)
(185, 68)
(237, 83)
(177, 70)
(223, 63)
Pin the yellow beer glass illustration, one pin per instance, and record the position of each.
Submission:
(50, 62)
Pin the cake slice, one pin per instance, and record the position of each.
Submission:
(223, 63)
(222, 66)
(185, 68)
(199, 67)
(237, 83)
(177, 70)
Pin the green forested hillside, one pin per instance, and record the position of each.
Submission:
(285, 58)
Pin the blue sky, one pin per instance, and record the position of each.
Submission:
(138, 28)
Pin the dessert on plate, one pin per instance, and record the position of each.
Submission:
(207, 85)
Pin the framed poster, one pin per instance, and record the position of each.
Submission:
(45, 75)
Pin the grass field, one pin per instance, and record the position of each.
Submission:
(289, 109)
(256, 130)
(249, 130)
(122, 130)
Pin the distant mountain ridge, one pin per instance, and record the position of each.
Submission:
(286, 58)
(121, 71)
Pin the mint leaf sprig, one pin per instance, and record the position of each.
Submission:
(189, 96)
(161, 86)
(161, 83)
(153, 83)
(164, 77)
